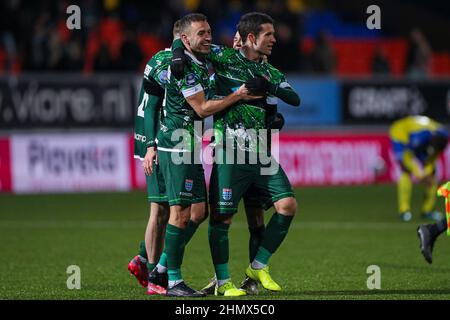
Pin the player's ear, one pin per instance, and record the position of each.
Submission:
(251, 37)
(185, 39)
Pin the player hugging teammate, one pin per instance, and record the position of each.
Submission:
(242, 95)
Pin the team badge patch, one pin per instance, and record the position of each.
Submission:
(227, 193)
(188, 184)
(190, 79)
(163, 76)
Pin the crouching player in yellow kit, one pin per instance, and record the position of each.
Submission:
(417, 142)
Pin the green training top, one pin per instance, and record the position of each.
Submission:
(148, 115)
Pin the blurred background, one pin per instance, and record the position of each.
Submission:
(68, 98)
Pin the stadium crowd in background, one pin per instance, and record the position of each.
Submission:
(119, 35)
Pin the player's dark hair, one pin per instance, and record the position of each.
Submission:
(187, 20)
(176, 29)
(251, 23)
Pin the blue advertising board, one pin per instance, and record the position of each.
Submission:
(320, 102)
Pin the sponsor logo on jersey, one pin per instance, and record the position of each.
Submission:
(147, 70)
(140, 137)
(222, 203)
(188, 184)
(234, 68)
(227, 193)
(190, 79)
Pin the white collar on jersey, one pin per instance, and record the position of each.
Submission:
(193, 57)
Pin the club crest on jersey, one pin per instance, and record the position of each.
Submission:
(190, 79)
(227, 193)
(188, 184)
(163, 76)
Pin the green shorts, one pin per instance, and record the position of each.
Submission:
(254, 199)
(184, 183)
(156, 189)
(229, 183)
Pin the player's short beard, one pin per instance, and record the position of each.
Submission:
(263, 53)
(259, 51)
(199, 55)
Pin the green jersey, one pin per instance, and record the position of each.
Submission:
(178, 114)
(148, 115)
(232, 69)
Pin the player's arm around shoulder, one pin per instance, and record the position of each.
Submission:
(155, 74)
(205, 108)
(220, 55)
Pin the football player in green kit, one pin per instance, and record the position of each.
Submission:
(253, 203)
(186, 103)
(147, 123)
(230, 180)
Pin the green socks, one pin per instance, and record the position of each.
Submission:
(143, 254)
(174, 248)
(219, 246)
(274, 235)
(143, 250)
(256, 236)
(190, 230)
(188, 233)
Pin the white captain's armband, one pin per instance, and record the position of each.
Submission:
(191, 91)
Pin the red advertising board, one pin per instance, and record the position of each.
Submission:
(326, 158)
(335, 159)
(94, 162)
(343, 159)
(5, 166)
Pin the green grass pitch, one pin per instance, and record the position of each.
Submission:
(337, 234)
